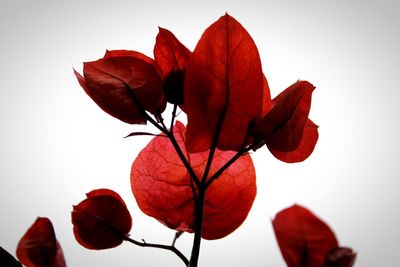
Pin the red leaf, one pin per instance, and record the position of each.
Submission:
(102, 220)
(39, 246)
(122, 85)
(129, 53)
(223, 87)
(303, 239)
(162, 189)
(340, 257)
(169, 53)
(172, 57)
(304, 149)
(283, 126)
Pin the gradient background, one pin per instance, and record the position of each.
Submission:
(56, 144)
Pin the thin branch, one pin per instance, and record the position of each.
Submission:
(183, 158)
(144, 133)
(177, 235)
(214, 142)
(173, 117)
(227, 164)
(221, 119)
(175, 144)
(161, 119)
(193, 191)
(164, 130)
(166, 247)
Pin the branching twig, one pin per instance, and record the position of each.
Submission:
(171, 248)
(173, 117)
(227, 164)
(177, 235)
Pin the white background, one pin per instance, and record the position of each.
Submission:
(56, 144)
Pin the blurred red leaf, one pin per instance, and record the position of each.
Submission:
(162, 188)
(223, 87)
(39, 246)
(304, 149)
(118, 83)
(102, 220)
(340, 257)
(304, 240)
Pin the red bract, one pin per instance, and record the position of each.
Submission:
(223, 88)
(124, 84)
(102, 220)
(285, 128)
(39, 246)
(169, 53)
(162, 188)
(304, 240)
(171, 57)
(304, 149)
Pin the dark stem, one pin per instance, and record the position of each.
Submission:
(199, 210)
(199, 206)
(175, 144)
(161, 119)
(215, 139)
(173, 117)
(183, 158)
(144, 133)
(194, 192)
(166, 247)
(165, 131)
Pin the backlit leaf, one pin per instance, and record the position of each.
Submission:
(283, 126)
(223, 90)
(171, 56)
(169, 53)
(122, 86)
(304, 149)
(303, 239)
(39, 246)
